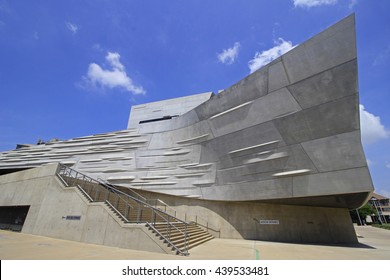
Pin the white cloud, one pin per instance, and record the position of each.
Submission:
(265, 57)
(313, 3)
(229, 55)
(72, 27)
(388, 165)
(371, 127)
(116, 77)
(369, 162)
(113, 59)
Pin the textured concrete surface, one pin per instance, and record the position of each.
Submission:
(374, 245)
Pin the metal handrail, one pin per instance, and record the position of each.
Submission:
(207, 226)
(145, 204)
(166, 206)
(85, 193)
(170, 222)
(169, 241)
(105, 183)
(170, 225)
(117, 211)
(67, 171)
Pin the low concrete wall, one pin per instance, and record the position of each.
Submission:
(50, 203)
(301, 224)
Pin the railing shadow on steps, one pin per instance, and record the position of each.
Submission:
(130, 209)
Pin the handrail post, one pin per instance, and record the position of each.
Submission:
(186, 238)
(170, 228)
(128, 209)
(108, 195)
(139, 214)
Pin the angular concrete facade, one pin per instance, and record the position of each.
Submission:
(286, 136)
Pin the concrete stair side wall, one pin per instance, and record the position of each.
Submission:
(50, 203)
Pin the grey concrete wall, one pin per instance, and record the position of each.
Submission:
(302, 224)
(49, 202)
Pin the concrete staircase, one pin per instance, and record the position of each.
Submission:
(130, 207)
(195, 234)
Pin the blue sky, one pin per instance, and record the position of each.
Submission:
(74, 68)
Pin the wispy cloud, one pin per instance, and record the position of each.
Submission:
(4, 7)
(228, 56)
(385, 193)
(313, 3)
(72, 27)
(369, 162)
(97, 47)
(352, 4)
(263, 58)
(371, 127)
(382, 57)
(388, 165)
(116, 77)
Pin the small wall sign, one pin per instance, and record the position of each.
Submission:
(71, 217)
(269, 222)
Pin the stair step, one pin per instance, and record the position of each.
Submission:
(178, 238)
(194, 243)
(177, 233)
(180, 226)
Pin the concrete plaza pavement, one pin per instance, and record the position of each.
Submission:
(374, 244)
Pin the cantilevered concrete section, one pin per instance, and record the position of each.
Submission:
(286, 135)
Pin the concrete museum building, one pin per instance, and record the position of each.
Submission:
(276, 156)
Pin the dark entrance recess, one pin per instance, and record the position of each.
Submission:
(13, 217)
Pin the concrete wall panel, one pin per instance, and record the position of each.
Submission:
(320, 121)
(354, 180)
(326, 86)
(277, 77)
(261, 110)
(248, 89)
(276, 188)
(342, 151)
(330, 48)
